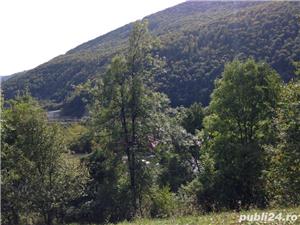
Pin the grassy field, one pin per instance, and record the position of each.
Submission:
(280, 216)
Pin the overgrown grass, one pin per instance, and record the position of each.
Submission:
(226, 218)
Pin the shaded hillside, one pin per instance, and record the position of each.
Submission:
(197, 39)
(4, 78)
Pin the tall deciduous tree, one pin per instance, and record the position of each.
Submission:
(241, 111)
(36, 178)
(128, 108)
(284, 174)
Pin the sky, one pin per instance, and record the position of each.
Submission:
(35, 31)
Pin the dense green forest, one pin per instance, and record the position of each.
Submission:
(195, 40)
(137, 156)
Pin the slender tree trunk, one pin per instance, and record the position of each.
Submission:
(196, 162)
(15, 217)
(133, 183)
(49, 218)
(130, 154)
(134, 109)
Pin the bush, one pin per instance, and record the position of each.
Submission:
(187, 198)
(163, 202)
(78, 139)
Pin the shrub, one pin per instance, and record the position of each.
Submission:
(163, 202)
(187, 198)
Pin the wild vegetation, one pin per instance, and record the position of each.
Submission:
(224, 218)
(136, 156)
(197, 39)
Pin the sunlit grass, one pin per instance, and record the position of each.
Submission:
(226, 218)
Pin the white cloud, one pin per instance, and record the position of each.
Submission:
(34, 31)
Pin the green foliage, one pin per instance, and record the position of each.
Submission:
(78, 138)
(179, 152)
(239, 124)
(192, 120)
(163, 202)
(36, 176)
(125, 116)
(144, 158)
(76, 104)
(108, 193)
(284, 173)
(147, 159)
(187, 198)
(174, 172)
(197, 38)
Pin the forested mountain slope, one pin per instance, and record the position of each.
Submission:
(197, 39)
